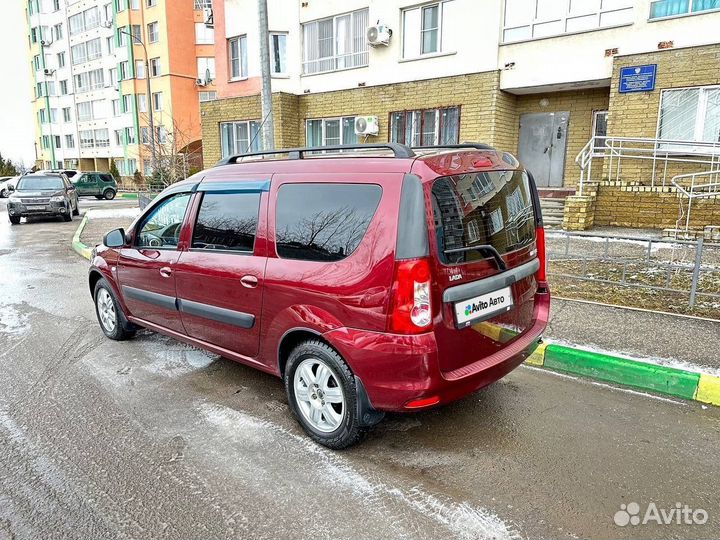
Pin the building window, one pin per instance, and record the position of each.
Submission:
(139, 69)
(116, 107)
(204, 34)
(87, 20)
(533, 19)
(203, 4)
(84, 52)
(237, 52)
(61, 60)
(136, 33)
(206, 69)
(155, 67)
(69, 141)
(161, 135)
(599, 130)
(153, 32)
(142, 103)
(63, 88)
(278, 51)
(423, 29)
(690, 114)
(134, 4)
(673, 8)
(240, 137)
(130, 135)
(58, 141)
(335, 43)
(58, 31)
(426, 127)
(157, 99)
(110, 45)
(208, 96)
(67, 114)
(151, 3)
(124, 70)
(145, 135)
(127, 103)
(330, 131)
(89, 80)
(118, 137)
(473, 232)
(496, 221)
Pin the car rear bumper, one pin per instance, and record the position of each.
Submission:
(402, 373)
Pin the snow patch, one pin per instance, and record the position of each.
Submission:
(12, 321)
(175, 359)
(462, 520)
(113, 213)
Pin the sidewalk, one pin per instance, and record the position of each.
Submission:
(100, 222)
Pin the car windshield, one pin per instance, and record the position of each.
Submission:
(39, 183)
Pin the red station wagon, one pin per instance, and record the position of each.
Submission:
(369, 283)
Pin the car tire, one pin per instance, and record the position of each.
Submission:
(4, 193)
(14, 220)
(314, 370)
(109, 194)
(69, 215)
(110, 315)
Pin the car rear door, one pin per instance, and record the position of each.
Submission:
(220, 276)
(485, 260)
(146, 269)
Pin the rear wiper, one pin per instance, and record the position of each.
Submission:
(494, 253)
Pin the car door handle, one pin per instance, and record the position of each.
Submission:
(166, 271)
(249, 281)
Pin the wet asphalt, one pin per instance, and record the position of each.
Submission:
(153, 439)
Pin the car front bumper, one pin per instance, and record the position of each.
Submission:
(43, 209)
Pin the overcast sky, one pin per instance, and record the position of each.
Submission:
(17, 130)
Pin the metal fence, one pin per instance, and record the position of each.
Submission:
(689, 268)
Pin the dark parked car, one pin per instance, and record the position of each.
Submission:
(43, 194)
(100, 185)
(367, 283)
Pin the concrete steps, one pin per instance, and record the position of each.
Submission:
(552, 211)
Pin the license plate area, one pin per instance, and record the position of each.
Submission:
(483, 307)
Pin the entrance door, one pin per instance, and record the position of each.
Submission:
(543, 143)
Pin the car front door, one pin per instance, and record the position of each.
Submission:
(220, 276)
(146, 269)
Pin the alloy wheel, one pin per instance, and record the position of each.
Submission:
(106, 310)
(319, 396)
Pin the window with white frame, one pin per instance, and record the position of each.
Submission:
(330, 131)
(153, 32)
(58, 31)
(204, 34)
(155, 69)
(599, 130)
(473, 231)
(534, 19)
(673, 8)
(67, 114)
(84, 52)
(87, 20)
(335, 43)
(426, 29)
(480, 186)
(237, 56)
(203, 4)
(208, 96)
(206, 68)
(89, 80)
(157, 100)
(142, 103)
(278, 53)
(426, 127)
(69, 141)
(139, 69)
(240, 137)
(690, 114)
(496, 221)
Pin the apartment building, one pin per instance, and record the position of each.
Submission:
(540, 78)
(90, 73)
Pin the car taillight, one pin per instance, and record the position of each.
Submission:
(411, 311)
(540, 242)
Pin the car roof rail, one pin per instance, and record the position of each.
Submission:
(475, 145)
(399, 151)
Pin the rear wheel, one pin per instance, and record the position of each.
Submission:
(323, 395)
(14, 220)
(110, 316)
(109, 194)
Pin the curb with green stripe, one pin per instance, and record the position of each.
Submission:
(675, 382)
(80, 248)
(127, 195)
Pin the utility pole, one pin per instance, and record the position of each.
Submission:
(268, 123)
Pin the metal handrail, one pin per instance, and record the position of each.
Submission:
(660, 151)
(710, 189)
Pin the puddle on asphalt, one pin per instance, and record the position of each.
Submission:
(12, 321)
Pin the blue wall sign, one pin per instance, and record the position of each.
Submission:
(638, 78)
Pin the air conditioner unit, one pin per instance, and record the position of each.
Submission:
(46, 42)
(201, 82)
(48, 72)
(366, 125)
(378, 34)
(107, 24)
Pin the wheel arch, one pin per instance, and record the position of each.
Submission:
(291, 339)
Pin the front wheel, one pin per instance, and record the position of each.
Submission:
(110, 316)
(69, 215)
(76, 212)
(323, 395)
(14, 220)
(109, 194)
(4, 193)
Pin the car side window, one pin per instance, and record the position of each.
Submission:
(227, 221)
(323, 222)
(106, 178)
(161, 227)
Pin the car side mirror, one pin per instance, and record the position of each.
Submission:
(10, 188)
(115, 238)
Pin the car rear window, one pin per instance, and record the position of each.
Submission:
(323, 222)
(40, 183)
(482, 209)
(227, 221)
